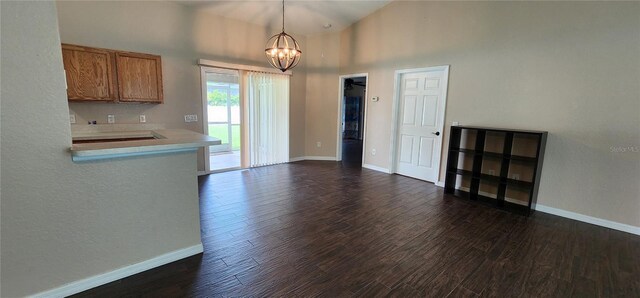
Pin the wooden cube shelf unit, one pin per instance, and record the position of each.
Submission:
(497, 166)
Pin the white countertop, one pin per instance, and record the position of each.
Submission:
(165, 141)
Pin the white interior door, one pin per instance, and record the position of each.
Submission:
(420, 122)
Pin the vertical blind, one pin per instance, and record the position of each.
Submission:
(268, 117)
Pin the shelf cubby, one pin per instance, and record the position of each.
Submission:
(500, 167)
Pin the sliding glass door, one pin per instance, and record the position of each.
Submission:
(223, 117)
(249, 112)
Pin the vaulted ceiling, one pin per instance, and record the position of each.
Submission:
(301, 16)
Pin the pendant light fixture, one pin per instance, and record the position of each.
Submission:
(282, 50)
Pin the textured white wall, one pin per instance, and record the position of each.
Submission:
(323, 54)
(62, 221)
(571, 68)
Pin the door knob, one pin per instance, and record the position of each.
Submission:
(437, 133)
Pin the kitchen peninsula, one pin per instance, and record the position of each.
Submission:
(94, 144)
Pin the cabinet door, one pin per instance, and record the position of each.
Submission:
(139, 77)
(90, 73)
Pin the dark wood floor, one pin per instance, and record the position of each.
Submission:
(322, 229)
(352, 152)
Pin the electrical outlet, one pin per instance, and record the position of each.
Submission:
(492, 172)
(190, 118)
(143, 118)
(375, 98)
(373, 151)
(111, 119)
(318, 144)
(72, 118)
(515, 176)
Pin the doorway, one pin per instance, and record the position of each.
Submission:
(351, 134)
(419, 102)
(222, 112)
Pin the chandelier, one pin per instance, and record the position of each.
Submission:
(282, 50)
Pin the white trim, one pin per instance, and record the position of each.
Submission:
(205, 115)
(294, 159)
(572, 215)
(443, 114)
(395, 111)
(331, 158)
(101, 279)
(589, 219)
(340, 112)
(205, 111)
(226, 170)
(244, 121)
(492, 195)
(211, 63)
(202, 173)
(394, 122)
(376, 168)
(439, 183)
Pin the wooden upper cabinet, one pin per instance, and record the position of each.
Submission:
(139, 77)
(90, 73)
(95, 74)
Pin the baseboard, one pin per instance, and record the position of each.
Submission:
(331, 158)
(375, 168)
(101, 279)
(439, 183)
(589, 219)
(202, 173)
(493, 196)
(576, 216)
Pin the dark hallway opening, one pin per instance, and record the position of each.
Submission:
(353, 116)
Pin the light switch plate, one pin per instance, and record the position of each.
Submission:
(456, 123)
(72, 118)
(111, 119)
(143, 118)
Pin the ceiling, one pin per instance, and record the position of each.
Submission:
(301, 16)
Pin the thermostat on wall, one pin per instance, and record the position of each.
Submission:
(375, 98)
